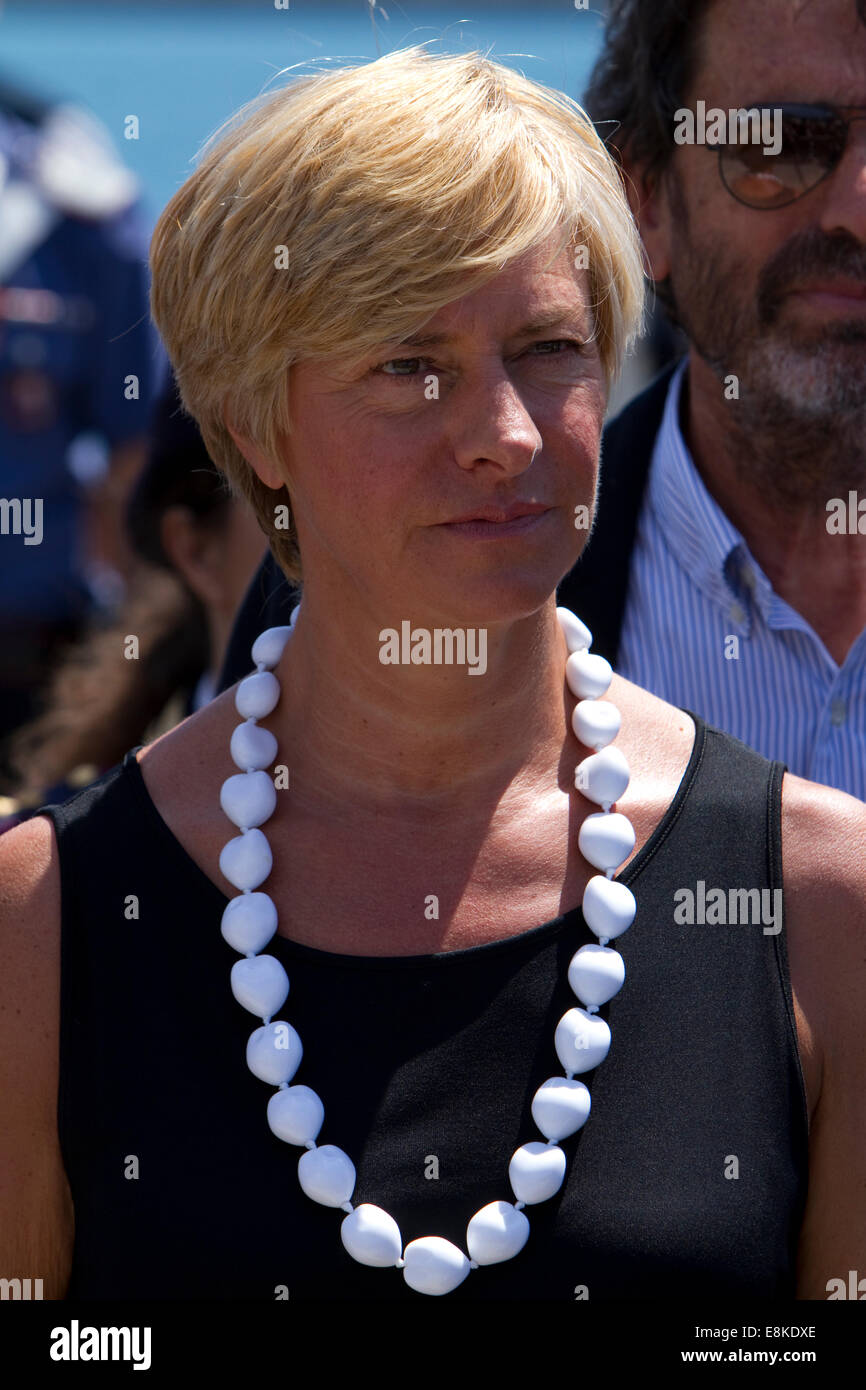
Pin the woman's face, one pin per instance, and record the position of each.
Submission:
(495, 413)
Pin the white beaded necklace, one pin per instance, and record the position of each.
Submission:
(259, 983)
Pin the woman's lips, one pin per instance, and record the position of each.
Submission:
(496, 530)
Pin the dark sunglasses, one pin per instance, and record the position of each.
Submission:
(813, 142)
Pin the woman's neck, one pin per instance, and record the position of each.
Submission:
(419, 737)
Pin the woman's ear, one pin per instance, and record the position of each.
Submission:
(264, 468)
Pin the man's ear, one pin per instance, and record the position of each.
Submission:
(648, 199)
(265, 469)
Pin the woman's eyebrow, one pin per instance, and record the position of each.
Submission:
(561, 317)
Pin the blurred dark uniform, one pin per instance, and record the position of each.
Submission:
(74, 324)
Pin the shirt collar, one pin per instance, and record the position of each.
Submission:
(710, 548)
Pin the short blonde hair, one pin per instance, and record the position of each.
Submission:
(346, 209)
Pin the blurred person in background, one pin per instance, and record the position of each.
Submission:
(79, 360)
(196, 546)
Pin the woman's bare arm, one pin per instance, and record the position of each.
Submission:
(824, 862)
(36, 1212)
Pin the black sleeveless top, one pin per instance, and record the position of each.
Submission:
(688, 1179)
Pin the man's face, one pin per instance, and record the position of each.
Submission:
(383, 456)
(776, 297)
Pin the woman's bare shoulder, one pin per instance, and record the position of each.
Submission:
(655, 737)
(186, 765)
(29, 883)
(824, 873)
(36, 1216)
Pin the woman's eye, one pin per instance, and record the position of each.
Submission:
(399, 361)
(413, 362)
(571, 343)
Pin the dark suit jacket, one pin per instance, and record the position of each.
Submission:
(597, 587)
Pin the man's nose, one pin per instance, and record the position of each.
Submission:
(844, 192)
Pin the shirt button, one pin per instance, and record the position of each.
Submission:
(837, 713)
(736, 613)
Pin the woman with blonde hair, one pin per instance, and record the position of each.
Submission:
(312, 996)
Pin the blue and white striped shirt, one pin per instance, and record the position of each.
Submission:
(694, 586)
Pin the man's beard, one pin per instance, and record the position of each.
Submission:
(798, 429)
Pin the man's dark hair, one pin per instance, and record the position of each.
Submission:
(646, 63)
(639, 78)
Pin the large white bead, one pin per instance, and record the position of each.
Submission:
(536, 1171)
(260, 984)
(246, 860)
(602, 777)
(596, 974)
(588, 675)
(497, 1232)
(560, 1106)
(269, 645)
(327, 1175)
(248, 798)
(577, 635)
(596, 722)
(252, 746)
(608, 907)
(371, 1236)
(274, 1052)
(296, 1115)
(581, 1040)
(434, 1265)
(249, 922)
(257, 695)
(606, 839)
